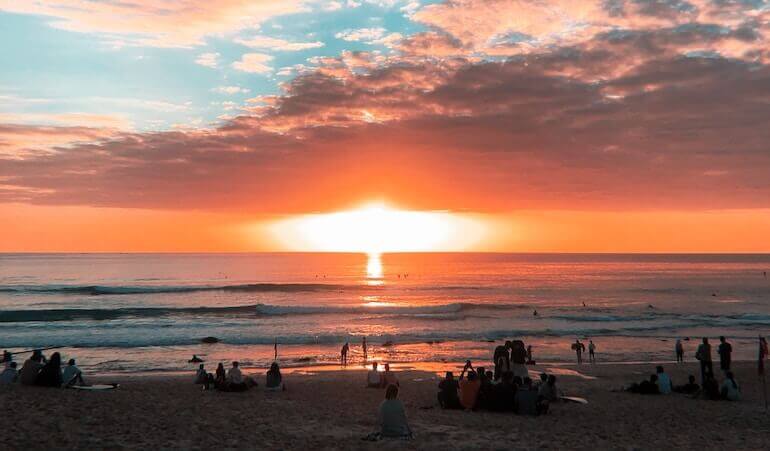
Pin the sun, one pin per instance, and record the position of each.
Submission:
(377, 228)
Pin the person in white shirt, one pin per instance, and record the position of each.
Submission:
(71, 374)
(374, 377)
(235, 379)
(664, 382)
(9, 375)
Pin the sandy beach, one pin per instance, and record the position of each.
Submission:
(331, 409)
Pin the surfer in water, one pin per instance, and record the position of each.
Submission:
(195, 359)
(534, 313)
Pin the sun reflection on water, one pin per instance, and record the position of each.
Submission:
(374, 269)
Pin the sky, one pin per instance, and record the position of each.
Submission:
(558, 126)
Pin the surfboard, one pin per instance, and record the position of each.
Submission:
(96, 387)
(574, 399)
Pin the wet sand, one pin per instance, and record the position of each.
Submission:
(331, 409)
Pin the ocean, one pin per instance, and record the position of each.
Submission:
(119, 313)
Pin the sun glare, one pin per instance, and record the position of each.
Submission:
(377, 228)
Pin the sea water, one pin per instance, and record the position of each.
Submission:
(149, 312)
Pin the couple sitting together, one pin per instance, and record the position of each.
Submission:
(377, 379)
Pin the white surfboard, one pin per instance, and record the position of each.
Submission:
(96, 387)
(574, 399)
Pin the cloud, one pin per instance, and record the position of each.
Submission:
(153, 23)
(230, 90)
(371, 36)
(267, 42)
(254, 63)
(208, 60)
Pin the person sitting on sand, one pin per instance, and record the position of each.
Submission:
(373, 377)
(50, 374)
(502, 359)
(389, 377)
(469, 387)
(203, 378)
(31, 367)
(9, 374)
(274, 380)
(447, 394)
(730, 389)
(393, 421)
(71, 374)
(711, 388)
(7, 358)
(486, 390)
(505, 394)
(527, 400)
(690, 388)
(543, 380)
(548, 391)
(220, 376)
(664, 382)
(235, 380)
(646, 387)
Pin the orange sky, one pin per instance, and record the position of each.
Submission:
(87, 229)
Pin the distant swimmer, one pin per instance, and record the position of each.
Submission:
(584, 303)
(650, 306)
(534, 313)
(195, 359)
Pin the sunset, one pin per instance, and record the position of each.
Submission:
(278, 199)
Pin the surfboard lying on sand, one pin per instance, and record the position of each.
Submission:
(574, 399)
(96, 387)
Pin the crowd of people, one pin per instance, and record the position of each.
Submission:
(40, 371)
(661, 383)
(233, 380)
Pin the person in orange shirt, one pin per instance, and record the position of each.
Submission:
(469, 387)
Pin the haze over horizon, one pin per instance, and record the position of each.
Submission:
(517, 125)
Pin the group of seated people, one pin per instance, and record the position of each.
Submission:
(661, 383)
(37, 370)
(476, 389)
(377, 379)
(234, 380)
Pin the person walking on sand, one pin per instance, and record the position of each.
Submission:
(703, 355)
(725, 351)
(579, 349)
(679, 349)
(591, 349)
(344, 354)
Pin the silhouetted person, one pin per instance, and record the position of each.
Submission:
(725, 351)
(7, 358)
(235, 380)
(579, 349)
(363, 347)
(502, 359)
(530, 361)
(591, 350)
(711, 388)
(447, 392)
(344, 354)
(679, 349)
(31, 367)
(220, 377)
(690, 388)
(505, 394)
(548, 390)
(50, 374)
(664, 381)
(469, 387)
(703, 354)
(195, 359)
(274, 380)
(646, 387)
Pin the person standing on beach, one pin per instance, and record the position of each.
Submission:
(591, 349)
(703, 354)
(363, 346)
(679, 351)
(579, 348)
(502, 359)
(725, 351)
(344, 354)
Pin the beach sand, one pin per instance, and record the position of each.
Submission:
(332, 410)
